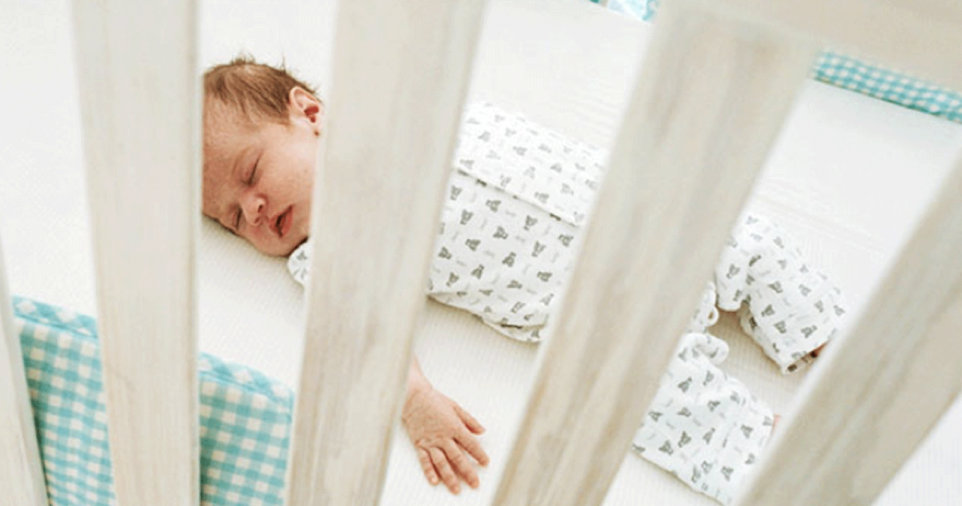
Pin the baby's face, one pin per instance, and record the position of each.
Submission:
(258, 176)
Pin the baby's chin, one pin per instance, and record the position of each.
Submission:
(298, 245)
(288, 247)
(281, 246)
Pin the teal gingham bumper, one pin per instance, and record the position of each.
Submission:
(245, 417)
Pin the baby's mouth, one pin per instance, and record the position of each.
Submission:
(283, 222)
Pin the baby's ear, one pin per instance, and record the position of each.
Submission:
(305, 106)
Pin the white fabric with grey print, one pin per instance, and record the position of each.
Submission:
(786, 305)
(702, 425)
(508, 237)
(500, 257)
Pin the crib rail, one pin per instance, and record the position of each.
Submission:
(400, 75)
(678, 176)
(920, 36)
(21, 474)
(874, 396)
(677, 179)
(140, 111)
(882, 388)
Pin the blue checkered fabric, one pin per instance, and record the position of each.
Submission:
(245, 417)
(889, 85)
(641, 9)
(852, 74)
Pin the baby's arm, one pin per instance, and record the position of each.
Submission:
(442, 432)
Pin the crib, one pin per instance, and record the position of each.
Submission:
(898, 359)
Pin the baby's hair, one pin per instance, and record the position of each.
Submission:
(258, 90)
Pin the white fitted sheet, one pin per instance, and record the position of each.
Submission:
(848, 176)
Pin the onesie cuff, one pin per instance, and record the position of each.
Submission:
(703, 426)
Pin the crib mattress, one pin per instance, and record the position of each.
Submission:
(848, 176)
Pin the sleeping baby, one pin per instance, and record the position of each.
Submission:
(516, 202)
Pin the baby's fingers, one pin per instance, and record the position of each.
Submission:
(427, 466)
(461, 464)
(473, 447)
(447, 474)
(469, 421)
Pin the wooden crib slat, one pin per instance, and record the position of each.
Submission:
(918, 36)
(21, 472)
(400, 74)
(139, 91)
(710, 99)
(877, 392)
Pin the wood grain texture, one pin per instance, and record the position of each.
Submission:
(400, 75)
(711, 97)
(920, 37)
(878, 391)
(21, 471)
(139, 95)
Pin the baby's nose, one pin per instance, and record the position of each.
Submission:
(254, 211)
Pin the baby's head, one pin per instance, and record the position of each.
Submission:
(261, 130)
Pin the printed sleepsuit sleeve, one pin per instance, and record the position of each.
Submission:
(500, 258)
(516, 197)
(299, 263)
(703, 426)
(786, 305)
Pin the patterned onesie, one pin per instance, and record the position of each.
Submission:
(517, 198)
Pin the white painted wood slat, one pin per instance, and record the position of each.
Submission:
(400, 74)
(139, 94)
(21, 472)
(922, 37)
(711, 97)
(877, 392)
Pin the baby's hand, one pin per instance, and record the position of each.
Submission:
(442, 432)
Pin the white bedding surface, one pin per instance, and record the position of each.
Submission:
(848, 176)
